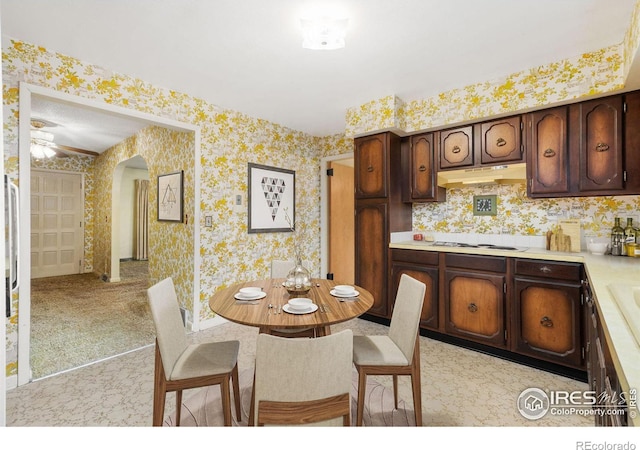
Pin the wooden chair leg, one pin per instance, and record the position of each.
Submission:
(178, 407)
(395, 391)
(236, 392)
(159, 390)
(416, 386)
(362, 386)
(226, 401)
(252, 410)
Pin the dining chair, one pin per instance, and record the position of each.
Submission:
(280, 269)
(398, 352)
(180, 365)
(303, 381)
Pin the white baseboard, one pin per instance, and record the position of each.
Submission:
(12, 382)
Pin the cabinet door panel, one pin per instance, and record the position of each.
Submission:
(601, 149)
(501, 141)
(474, 306)
(422, 175)
(548, 321)
(548, 152)
(372, 252)
(429, 276)
(371, 166)
(456, 148)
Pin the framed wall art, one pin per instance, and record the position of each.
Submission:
(271, 199)
(170, 197)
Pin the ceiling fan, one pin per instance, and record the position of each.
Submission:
(42, 145)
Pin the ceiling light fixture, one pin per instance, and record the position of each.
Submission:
(41, 151)
(323, 33)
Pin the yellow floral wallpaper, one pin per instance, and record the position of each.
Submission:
(519, 215)
(591, 73)
(229, 140)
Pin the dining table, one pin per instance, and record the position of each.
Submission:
(271, 312)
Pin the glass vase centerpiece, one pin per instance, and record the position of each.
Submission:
(298, 281)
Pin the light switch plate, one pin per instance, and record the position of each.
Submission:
(208, 221)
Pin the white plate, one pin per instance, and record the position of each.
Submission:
(245, 298)
(351, 294)
(289, 310)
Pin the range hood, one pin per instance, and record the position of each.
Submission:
(505, 174)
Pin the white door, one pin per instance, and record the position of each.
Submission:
(56, 223)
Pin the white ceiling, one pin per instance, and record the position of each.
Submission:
(246, 55)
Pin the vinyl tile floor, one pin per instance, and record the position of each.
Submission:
(460, 387)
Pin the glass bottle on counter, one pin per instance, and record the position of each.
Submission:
(629, 236)
(617, 238)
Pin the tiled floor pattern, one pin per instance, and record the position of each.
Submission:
(460, 387)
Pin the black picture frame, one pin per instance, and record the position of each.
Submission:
(171, 197)
(271, 199)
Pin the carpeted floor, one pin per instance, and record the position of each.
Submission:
(79, 319)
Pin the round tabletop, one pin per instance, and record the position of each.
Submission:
(328, 309)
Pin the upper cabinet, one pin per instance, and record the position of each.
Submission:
(585, 149)
(600, 148)
(419, 165)
(371, 166)
(548, 155)
(456, 148)
(501, 141)
(488, 143)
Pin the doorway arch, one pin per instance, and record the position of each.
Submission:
(116, 214)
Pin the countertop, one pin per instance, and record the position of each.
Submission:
(601, 270)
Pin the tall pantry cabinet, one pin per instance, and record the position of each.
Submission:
(379, 212)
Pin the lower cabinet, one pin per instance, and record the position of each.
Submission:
(547, 315)
(475, 300)
(602, 377)
(422, 266)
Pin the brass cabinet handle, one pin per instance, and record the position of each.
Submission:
(472, 307)
(602, 147)
(546, 322)
(455, 149)
(370, 169)
(501, 142)
(545, 269)
(549, 153)
(422, 168)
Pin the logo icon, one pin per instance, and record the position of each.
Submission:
(533, 403)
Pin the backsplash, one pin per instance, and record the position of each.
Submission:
(518, 215)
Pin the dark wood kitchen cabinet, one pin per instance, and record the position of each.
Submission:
(600, 152)
(501, 141)
(548, 151)
(379, 211)
(590, 148)
(372, 159)
(601, 372)
(419, 165)
(474, 298)
(547, 320)
(456, 148)
(422, 266)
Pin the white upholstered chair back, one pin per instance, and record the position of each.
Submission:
(170, 332)
(281, 268)
(294, 370)
(405, 318)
